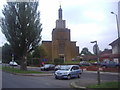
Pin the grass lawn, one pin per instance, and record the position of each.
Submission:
(15, 70)
(0, 67)
(71, 62)
(66, 62)
(106, 85)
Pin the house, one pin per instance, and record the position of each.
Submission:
(105, 55)
(115, 50)
(0, 53)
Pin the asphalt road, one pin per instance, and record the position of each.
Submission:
(15, 81)
(0, 78)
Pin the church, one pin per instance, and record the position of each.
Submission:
(61, 45)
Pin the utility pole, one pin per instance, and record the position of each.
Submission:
(96, 52)
(118, 32)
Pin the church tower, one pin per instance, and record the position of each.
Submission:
(61, 45)
(61, 40)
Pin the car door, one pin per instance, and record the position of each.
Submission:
(74, 71)
(52, 67)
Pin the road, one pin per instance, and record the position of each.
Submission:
(0, 76)
(15, 81)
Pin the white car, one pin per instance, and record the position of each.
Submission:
(0, 62)
(68, 71)
(13, 63)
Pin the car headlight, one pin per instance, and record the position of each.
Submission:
(65, 73)
(55, 73)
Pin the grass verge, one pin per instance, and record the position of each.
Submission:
(15, 70)
(0, 67)
(66, 62)
(106, 85)
(71, 62)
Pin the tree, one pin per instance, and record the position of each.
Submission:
(58, 61)
(85, 51)
(6, 53)
(22, 28)
(39, 53)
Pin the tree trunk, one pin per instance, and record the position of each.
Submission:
(23, 65)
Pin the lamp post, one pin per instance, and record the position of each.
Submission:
(13, 62)
(118, 40)
(118, 29)
(117, 23)
(96, 52)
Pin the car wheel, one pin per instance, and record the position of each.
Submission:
(56, 77)
(69, 77)
(78, 75)
(104, 66)
(117, 66)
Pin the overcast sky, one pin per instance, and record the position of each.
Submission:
(88, 20)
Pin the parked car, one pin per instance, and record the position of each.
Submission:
(0, 61)
(68, 71)
(57, 67)
(48, 67)
(96, 63)
(13, 63)
(110, 64)
(84, 63)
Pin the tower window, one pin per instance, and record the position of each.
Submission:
(61, 47)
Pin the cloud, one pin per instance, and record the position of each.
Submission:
(94, 15)
(88, 20)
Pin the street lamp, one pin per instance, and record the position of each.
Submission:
(118, 33)
(117, 23)
(96, 52)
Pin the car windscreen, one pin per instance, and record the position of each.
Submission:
(47, 65)
(64, 67)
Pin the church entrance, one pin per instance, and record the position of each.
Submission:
(62, 57)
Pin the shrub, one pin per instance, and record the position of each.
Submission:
(58, 61)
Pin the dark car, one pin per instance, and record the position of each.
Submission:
(110, 64)
(48, 67)
(84, 63)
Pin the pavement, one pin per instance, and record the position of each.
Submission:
(36, 75)
(83, 85)
(111, 73)
(80, 84)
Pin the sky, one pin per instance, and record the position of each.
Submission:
(88, 20)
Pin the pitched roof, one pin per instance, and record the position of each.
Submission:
(115, 42)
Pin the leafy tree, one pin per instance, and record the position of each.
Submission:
(58, 61)
(39, 53)
(85, 51)
(6, 53)
(22, 28)
(29, 57)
